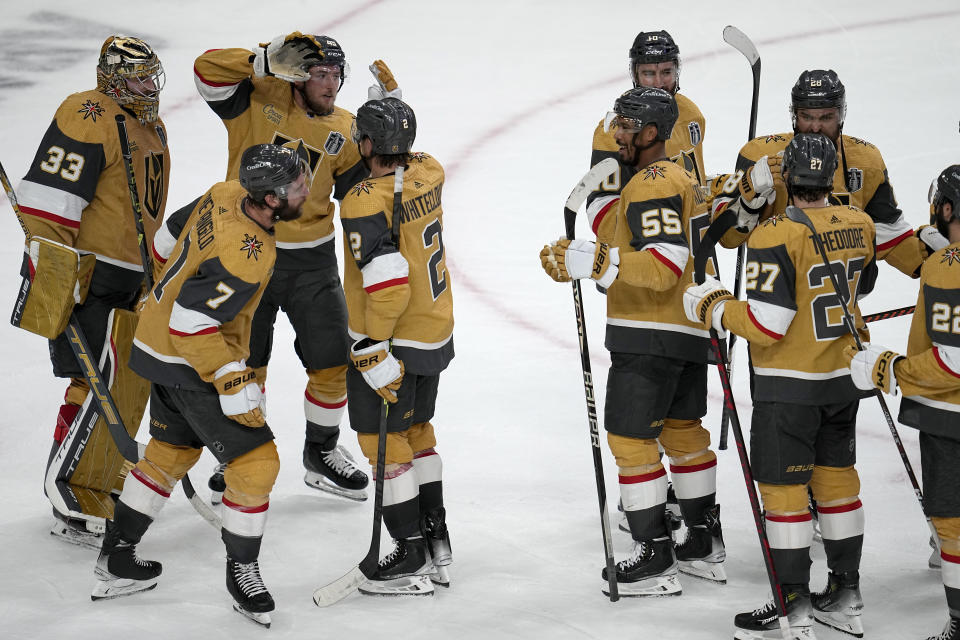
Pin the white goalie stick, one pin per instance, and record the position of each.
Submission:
(576, 199)
(739, 41)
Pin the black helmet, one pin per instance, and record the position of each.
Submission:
(330, 54)
(818, 89)
(646, 105)
(653, 47)
(389, 123)
(946, 188)
(270, 168)
(810, 161)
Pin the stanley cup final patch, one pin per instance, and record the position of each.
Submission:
(695, 134)
(854, 179)
(334, 143)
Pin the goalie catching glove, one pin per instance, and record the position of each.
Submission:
(241, 399)
(287, 57)
(379, 368)
(386, 86)
(703, 303)
(872, 368)
(567, 260)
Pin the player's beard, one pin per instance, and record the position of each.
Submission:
(312, 106)
(286, 213)
(943, 226)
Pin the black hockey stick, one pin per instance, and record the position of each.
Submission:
(713, 235)
(739, 41)
(798, 215)
(892, 313)
(576, 198)
(198, 503)
(346, 584)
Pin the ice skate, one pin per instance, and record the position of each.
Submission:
(334, 472)
(217, 484)
(702, 554)
(650, 571)
(839, 605)
(438, 540)
(934, 561)
(251, 597)
(84, 533)
(950, 632)
(119, 571)
(763, 623)
(405, 571)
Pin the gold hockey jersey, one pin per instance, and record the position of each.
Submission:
(197, 317)
(860, 181)
(657, 226)
(929, 377)
(262, 110)
(404, 294)
(792, 317)
(76, 192)
(684, 147)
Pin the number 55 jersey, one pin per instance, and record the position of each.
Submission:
(792, 317)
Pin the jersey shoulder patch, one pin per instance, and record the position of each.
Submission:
(89, 117)
(367, 197)
(765, 146)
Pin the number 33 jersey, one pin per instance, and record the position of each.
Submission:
(792, 317)
(402, 294)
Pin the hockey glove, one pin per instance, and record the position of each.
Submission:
(241, 399)
(287, 57)
(567, 260)
(386, 86)
(703, 303)
(382, 371)
(757, 186)
(931, 240)
(873, 368)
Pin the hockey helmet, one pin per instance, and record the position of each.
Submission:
(130, 72)
(653, 47)
(331, 54)
(818, 89)
(945, 188)
(270, 168)
(638, 107)
(389, 123)
(809, 161)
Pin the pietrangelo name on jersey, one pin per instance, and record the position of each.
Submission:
(205, 223)
(421, 205)
(849, 238)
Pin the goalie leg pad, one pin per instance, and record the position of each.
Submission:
(250, 477)
(59, 278)
(399, 450)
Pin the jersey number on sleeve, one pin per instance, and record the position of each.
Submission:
(657, 221)
(944, 319)
(848, 276)
(438, 274)
(55, 159)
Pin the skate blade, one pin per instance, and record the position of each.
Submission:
(651, 587)
(851, 625)
(119, 587)
(68, 534)
(709, 571)
(441, 577)
(322, 483)
(796, 633)
(262, 619)
(408, 586)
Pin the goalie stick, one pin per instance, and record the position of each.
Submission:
(574, 201)
(739, 41)
(349, 582)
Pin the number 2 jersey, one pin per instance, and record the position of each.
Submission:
(404, 293)
(76, 190)
(197, 317)
(262, 110)
(929, 377)
(792, 317)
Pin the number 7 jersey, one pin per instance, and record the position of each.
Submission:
(402, 294)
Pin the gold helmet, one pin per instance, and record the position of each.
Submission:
(130, 72)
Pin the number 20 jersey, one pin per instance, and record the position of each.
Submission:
(792, 317)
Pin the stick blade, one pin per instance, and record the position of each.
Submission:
(590, 181)
(739, 41)
(339, 588)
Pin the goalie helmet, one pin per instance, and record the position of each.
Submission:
(130, 72)
(653, 47)
(389, 123)
(818, 89)
(270, 168)
(646, 105)
(809, 161)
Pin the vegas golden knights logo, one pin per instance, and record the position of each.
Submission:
(153, 184)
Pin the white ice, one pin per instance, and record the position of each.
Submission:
(507, 95)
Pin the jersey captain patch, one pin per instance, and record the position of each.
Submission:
(334, 143)
(252, 246)
(90, 109)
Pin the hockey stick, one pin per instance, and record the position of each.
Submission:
(576, 198)
(713, 235)
(198, 503)
(892, 313)
(345, 585)
(798, 215)
(739, 41)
